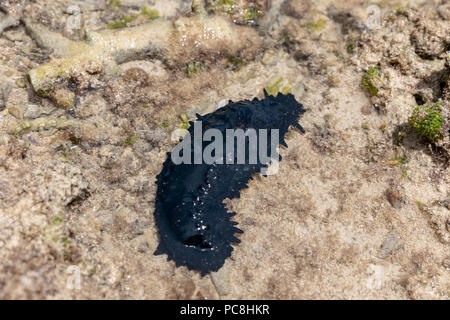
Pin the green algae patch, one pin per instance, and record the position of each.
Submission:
(239, 11)
(279, 86)
(194, 68)
(371, 81)
(252, 13)
(129, 141)
(351, 48)
(114, 3)
(427, 120)
(122, 23)
(226, 6)
(57, 219)
(184, 121)
(164, 124)
(152, 14)
(318, 25)
(235, 62)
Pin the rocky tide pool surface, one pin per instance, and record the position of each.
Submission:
(92, 92)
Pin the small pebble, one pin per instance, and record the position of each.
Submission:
(394, 198)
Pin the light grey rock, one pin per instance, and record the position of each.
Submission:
(34, 111)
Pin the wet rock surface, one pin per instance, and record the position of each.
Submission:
(357, 209)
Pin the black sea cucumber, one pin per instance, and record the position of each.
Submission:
(194, 226)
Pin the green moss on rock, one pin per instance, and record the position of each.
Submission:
(427, 120)
(241, 12)
(184, 121)
(235, 62)
(371, 81)
(351, 48)
(151, 13)
(129, 141)
(279, 85)
(122, 23)
(317, 25)
(252, 13)
(194, 68)
(164, 124)
(224, 5)
(114, 3)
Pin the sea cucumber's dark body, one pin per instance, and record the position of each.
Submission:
(194, 226)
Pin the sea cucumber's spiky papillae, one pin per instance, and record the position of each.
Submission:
(194, 226)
